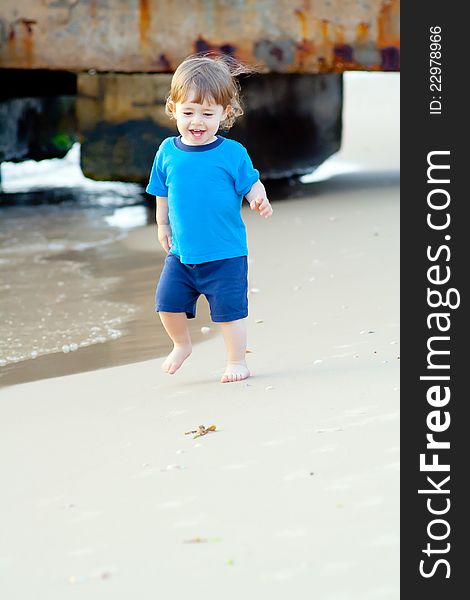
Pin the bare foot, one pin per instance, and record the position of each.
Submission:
(235, 372)
(176, 358)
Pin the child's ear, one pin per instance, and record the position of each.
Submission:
(226, 113)
(170, 108)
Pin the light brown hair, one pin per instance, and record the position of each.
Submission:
(212, 78)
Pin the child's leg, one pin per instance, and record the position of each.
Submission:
(176, 325)
(234, 333)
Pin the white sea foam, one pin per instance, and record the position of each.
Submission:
(58, 172)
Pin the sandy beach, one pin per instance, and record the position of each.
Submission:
(297, 491)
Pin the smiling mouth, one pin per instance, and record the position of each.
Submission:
(197, 132)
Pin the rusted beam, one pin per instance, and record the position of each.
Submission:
(154, 36)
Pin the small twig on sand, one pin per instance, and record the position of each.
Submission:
(201, 430)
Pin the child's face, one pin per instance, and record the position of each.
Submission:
(198, 123)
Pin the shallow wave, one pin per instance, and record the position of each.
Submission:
(51, 300)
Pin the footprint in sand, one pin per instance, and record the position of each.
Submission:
(175, 413)
(145, 472)
(373, 420)
(370, 502)
(301, 474)
(173, 468)
(360, 410)
(275, 442)
(325, 449)
(195, 522)
(126, 409)
(285, 574)
(234, 467)
(101, 573)
(170, 504)
(329, 430)
(341, 484)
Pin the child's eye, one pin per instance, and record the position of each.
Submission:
(208, 114)
(187, 114)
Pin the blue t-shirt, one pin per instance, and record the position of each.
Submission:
(205, 186)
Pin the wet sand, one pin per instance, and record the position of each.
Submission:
(135, 262)
(297, 491)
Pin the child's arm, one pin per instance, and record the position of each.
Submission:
(164, 229)
(258, 200)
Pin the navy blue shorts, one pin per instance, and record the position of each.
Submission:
(223, 282)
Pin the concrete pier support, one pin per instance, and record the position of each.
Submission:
(292, 122)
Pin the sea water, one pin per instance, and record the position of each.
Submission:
(50, 299)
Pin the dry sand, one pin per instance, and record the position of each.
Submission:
(297, 491)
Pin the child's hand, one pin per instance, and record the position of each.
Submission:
(164, 237)
(262, 205)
